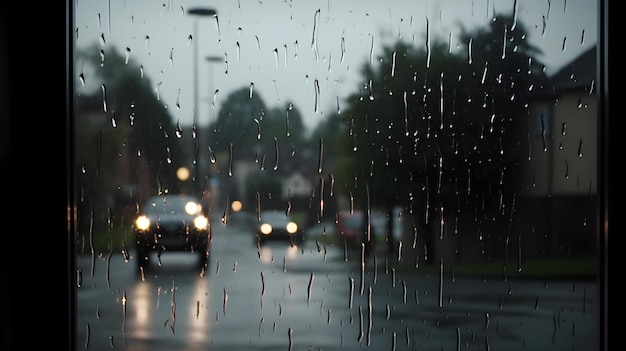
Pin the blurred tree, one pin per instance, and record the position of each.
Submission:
(431, 129)
(131, 98)
(285, 124)
(238, 121)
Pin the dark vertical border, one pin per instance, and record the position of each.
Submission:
(604, 180)
(5, 136)
(69, 179)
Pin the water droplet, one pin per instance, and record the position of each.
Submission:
(441, 282)
(469, 51)
(147, 43)
(277, 153)
(428, 43)
(217, 24)
(582, 37)
(316, 85)
(316, 20)
(225, 302)
(211, 155)
(580, 148)
(372, 50)
(230, 159)
(179, 130)
(369, 315)
(343, 49)
(275, 51)
(351, 294)
(295, 53)
(258, 129)
(320, 156)
(104, 97)
(127, 55)
(290, 335)
(113, 120)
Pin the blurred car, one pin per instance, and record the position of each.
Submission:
(351, 227)
(276, 225)
(171, 223)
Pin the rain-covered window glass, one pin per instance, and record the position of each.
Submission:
(322, 175)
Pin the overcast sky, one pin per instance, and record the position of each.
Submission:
(287, 49)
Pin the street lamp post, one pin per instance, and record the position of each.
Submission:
(211, 60)
(212, 180)
(197, 12)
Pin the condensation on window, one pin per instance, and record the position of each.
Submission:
(336, 175)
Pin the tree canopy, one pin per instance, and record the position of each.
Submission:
(130, 99)
(430, 128)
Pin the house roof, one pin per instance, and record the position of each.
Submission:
(579, 73)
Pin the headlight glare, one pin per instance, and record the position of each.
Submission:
(201, 222)
(192, 208)
(266, 228)
(292, 227)
(142, 222)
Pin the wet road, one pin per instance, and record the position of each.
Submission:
(316, 298)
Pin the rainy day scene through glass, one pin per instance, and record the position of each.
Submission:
(336, 175)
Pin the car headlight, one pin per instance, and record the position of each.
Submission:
(291, 227)
(201, 222)
(142, 222)
(192, 208)
(266, 228)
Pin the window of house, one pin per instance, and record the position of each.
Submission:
(221, 148)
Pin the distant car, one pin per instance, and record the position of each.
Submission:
(351, 227)
(171, 223)
(277, 225)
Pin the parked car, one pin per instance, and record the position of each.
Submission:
(351, 228)
(171, 223)
(277, 225)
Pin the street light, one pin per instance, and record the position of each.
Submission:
(198, 12)
(211, 60)
(212, 177)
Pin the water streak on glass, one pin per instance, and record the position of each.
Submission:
(276, 153)
(440, 301)
(310, 288)
(427, 43)
(224, 301)
(316, 22)
(104, 97)
(372, 43)
(225, 215)
(230, 159)
(316, 86)
(369, 315)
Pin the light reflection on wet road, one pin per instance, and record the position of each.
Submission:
(281, 298)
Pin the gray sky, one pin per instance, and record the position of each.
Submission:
(327, 46)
